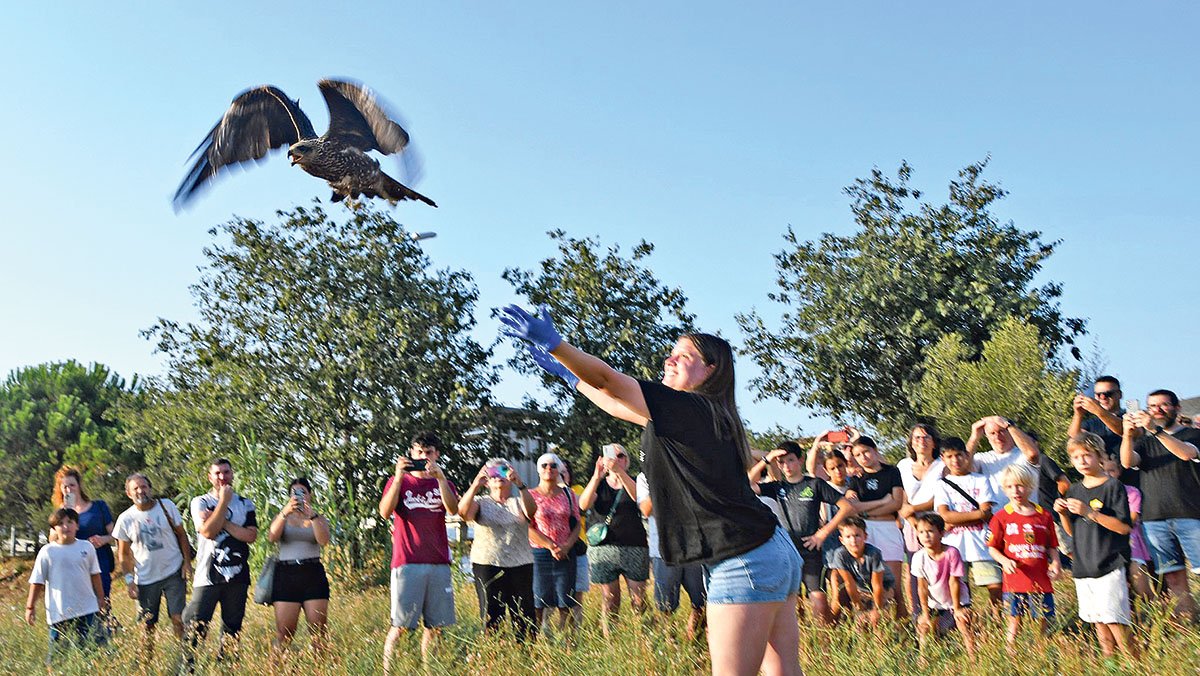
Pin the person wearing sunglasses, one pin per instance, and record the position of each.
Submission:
(1102, 415)
(618, 547)
(553, 530)
(696, 455)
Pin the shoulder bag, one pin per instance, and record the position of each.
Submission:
(598, 531)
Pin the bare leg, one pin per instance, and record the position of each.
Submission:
(1181, 594)
(610, 605)
(429, 641)
(820, 608)
(897, 568)
(1125, 640)
(389, 647)
(739, 646)
(696, 623)
(637, 595)
(1140, 582)
(287, 617)
(316, 614)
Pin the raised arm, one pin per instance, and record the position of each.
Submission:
(619, 392)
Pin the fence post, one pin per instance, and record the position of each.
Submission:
(12, 541)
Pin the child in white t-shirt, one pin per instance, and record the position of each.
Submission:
(965, 500)
(67, 573)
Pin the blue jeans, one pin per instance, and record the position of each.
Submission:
(79, 633)
(768, 573)
(1172, 542)
(668, 579)
(553, 580)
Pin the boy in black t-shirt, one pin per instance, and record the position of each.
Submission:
(800, 497)
(1095, 511)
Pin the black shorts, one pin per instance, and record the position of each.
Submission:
(812, 574)
(300, 582)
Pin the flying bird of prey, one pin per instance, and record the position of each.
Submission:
(264, 118)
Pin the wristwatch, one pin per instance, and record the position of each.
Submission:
(128, 579)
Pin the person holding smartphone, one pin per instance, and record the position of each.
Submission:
(417, 498)
(300, 580)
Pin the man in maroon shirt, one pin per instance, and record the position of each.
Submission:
(417, 499)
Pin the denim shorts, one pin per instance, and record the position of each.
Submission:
(1172, 542)
(768, 573)
(1034, 604)
(422, 592)
(668, 579)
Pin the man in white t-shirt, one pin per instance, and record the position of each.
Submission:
(668, 579)
(153, 552)
(67, 572)
(1009, 445)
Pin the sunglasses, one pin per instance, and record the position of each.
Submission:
(1108, 394)
(550, 465)
(621, 456)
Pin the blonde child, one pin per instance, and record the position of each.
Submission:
(1024, 543)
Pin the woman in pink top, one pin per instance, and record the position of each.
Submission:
(552, 532)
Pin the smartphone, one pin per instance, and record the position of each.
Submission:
(416, 465)
(298, 493)
(1132, 406)
(610, 451)
(497, 472)
(838, 437)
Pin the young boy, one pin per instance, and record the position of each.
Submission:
(1023, 541)
(67, 572)
(836, 468)
(878, 495)
(966, 500)
(800, 499)
(1095, 512)
(944, 598)
(859, 567)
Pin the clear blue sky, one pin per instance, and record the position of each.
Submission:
(702, 128)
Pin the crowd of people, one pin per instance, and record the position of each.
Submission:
(742, 532)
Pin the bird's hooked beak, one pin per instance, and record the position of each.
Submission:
(295, 154)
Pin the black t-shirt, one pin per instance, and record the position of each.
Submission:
(1112, 445)
(801, 503)
(703, 503)
(1096, 550)
(877, 485)
(626, 527)
(1048, 474)
(1170, 486)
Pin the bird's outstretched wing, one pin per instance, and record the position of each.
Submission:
(357, 118)
(257, 121)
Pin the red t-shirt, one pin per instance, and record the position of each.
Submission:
(419, 523)
(1028, 541)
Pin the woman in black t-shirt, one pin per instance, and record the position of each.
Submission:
(612, 497)
(695, 456)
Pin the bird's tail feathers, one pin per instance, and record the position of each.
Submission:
(395, 191)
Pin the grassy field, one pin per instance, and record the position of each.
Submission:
(640, 646)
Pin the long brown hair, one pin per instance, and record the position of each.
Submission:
(67, 471)
(718, 390)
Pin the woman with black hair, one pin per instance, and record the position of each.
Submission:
(920, 472)
(696, 455)
(300, 580)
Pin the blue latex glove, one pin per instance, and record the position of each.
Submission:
(551, 365)
(537, 330)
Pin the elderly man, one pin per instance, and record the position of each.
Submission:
(1009, 445)
(1166, 453)
(154, 554)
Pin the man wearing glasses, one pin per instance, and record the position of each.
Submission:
(1101, 415)
(1166, 453)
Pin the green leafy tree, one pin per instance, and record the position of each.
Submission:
(56, 414)
(1013, 377)
(329, 344)
(861, 311)
(608, 305)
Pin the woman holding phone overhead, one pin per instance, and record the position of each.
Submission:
(695, 456)
(300, 580)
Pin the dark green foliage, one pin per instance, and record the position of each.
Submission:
(56, 414)
(859, 312)
(328, 344)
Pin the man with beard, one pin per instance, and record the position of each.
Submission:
(225, 527)
(153, 552)
(1166, 454)
(1101, 415)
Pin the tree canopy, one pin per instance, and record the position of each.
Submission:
(55, 414)
(329, 344)
(859, 312)
(608, 305)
